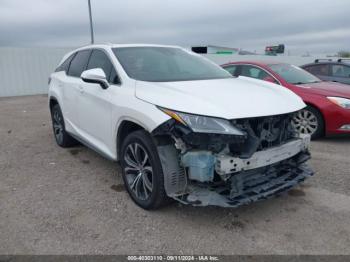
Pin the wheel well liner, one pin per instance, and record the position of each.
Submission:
(125, 128)
(53, 101)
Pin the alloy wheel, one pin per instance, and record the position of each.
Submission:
(305, 122)
(138, 171)
(58, 126)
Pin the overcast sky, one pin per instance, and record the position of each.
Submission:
(314, 26)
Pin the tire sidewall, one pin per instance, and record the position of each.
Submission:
(57, 108)
(144, 139)
(320, 122)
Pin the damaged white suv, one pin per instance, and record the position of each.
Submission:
(181, 127)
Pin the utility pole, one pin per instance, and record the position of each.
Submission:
(91, 26)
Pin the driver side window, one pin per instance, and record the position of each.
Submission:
(99, 59)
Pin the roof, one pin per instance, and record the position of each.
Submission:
(256, 62)
(340, 61)
(111, 45)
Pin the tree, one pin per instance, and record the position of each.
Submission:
(344, 54)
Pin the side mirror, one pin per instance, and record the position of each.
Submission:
(95, 76)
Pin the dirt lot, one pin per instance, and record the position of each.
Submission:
(59, 201)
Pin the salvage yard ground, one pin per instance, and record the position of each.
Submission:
(72, 201)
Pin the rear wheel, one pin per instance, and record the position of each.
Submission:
(142, 171)
(62, 138)
(309, 121)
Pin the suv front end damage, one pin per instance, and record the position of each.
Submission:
(248, 160)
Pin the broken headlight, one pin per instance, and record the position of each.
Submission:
(204, 124)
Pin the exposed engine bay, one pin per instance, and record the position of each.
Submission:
(266, 158)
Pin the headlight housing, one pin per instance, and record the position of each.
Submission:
(340, 101)
(204, 124)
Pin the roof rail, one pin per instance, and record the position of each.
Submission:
(342, 59)
(323, 59)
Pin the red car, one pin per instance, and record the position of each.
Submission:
(328, 103)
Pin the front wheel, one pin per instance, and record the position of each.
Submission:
(142, 171)
(309, 121)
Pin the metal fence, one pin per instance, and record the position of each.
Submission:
(25, 71)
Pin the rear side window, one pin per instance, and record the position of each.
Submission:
(65, 65)
(321, 70)
(232, 69)
(340, 71)
(79, 62)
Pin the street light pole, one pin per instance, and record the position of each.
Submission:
(91, 26)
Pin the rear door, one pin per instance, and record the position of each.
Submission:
(96, 104)
(72, 90)
(340, 73)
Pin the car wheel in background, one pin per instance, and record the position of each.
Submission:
(62, 138)
(142, 171)
(309, 121)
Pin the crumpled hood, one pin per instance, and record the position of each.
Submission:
(229, 98)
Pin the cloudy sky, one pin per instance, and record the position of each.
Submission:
(314, 26)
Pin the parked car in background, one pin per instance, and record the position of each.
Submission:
(328, 70)
(328, 103)
(181, 126)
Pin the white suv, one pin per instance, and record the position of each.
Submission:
(182, 127)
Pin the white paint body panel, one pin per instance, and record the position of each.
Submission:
(94, 114)
(231, 98)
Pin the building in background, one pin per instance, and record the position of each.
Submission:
(212, 49)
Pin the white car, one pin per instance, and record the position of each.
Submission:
(182, 127)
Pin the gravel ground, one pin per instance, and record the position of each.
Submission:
(72, 201)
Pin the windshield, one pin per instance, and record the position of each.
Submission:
(164, 64)
(293, 74)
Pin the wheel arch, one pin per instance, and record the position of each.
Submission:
(125, 127)
(52, 101)
(321, 113)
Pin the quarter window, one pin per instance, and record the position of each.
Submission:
(340, 71)
(65, 65)
(79, 62)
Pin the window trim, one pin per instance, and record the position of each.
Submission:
(263, 69)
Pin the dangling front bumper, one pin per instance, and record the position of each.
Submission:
(252, 185)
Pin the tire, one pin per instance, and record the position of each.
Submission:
(310, 121)
(142, 171)
(63, 139)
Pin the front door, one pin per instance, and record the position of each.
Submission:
(96, 105)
